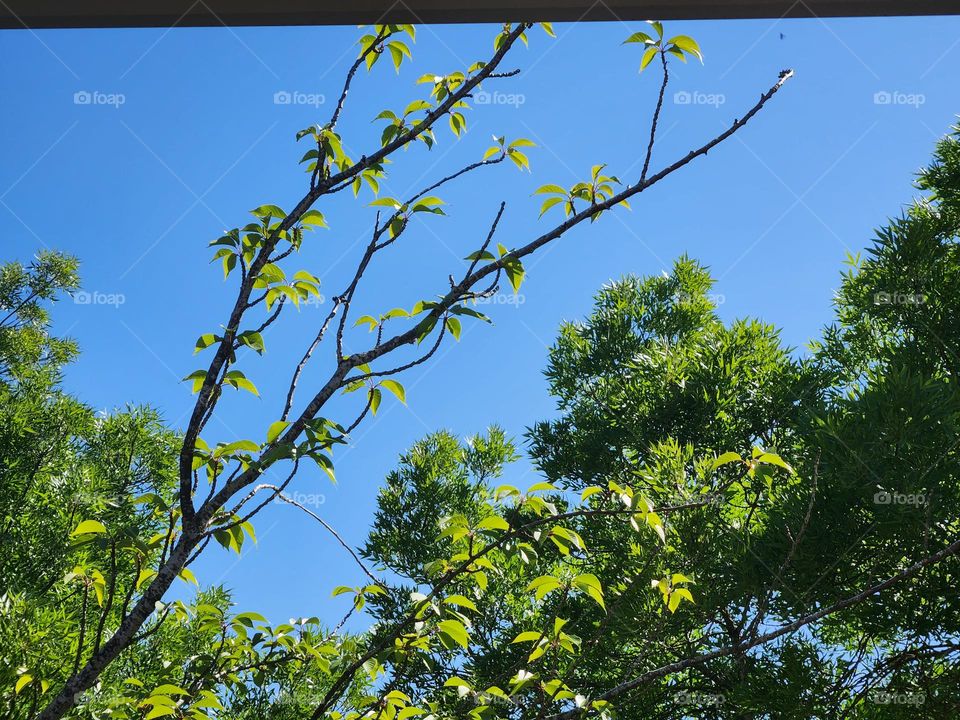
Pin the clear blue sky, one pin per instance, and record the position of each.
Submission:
(137, 189)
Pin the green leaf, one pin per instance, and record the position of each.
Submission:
(527, 636)
(230, 448)
(369, 320)
(493, 522)
(541, 487)
(462, 310)
(638, 37)
(396, 55)
(159, 711)
(275, 429)
(270, 274)
(590, 491)
(313, 218)
(687, 44)
(387, 202)
(725, 459)
(458, 682)
(198, 377)
(648, 57)
(145, 575)
(396, 388)
(89, 527)
(519, 159)
(774, 459)
(550, 189)
(461, 601)
(543, 585)
(375, 396)
(481, 255)
(325, 463)
(236, 379)
(590, 584)
(229, 263)
(205, 341)
(515, 273)
(455, 631)
(265, 211)
(453, 325)
(415, 106)
(253, 340)
(549, 203)
(409, 712)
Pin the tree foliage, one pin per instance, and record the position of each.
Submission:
(808, 504)
(722, 526)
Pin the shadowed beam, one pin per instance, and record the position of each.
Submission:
(165, 13)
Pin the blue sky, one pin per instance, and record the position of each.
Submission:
(182, 137)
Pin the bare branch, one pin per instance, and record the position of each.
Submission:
(306, 358)
(381, 36)
(206, 393)
(455, 294)
(373, 578)
(656, 116)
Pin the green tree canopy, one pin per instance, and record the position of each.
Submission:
(724, 527)
(657, 394)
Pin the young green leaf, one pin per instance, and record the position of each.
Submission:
(89, 527)
(396, 388)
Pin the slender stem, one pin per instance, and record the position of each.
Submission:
(656, 116)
